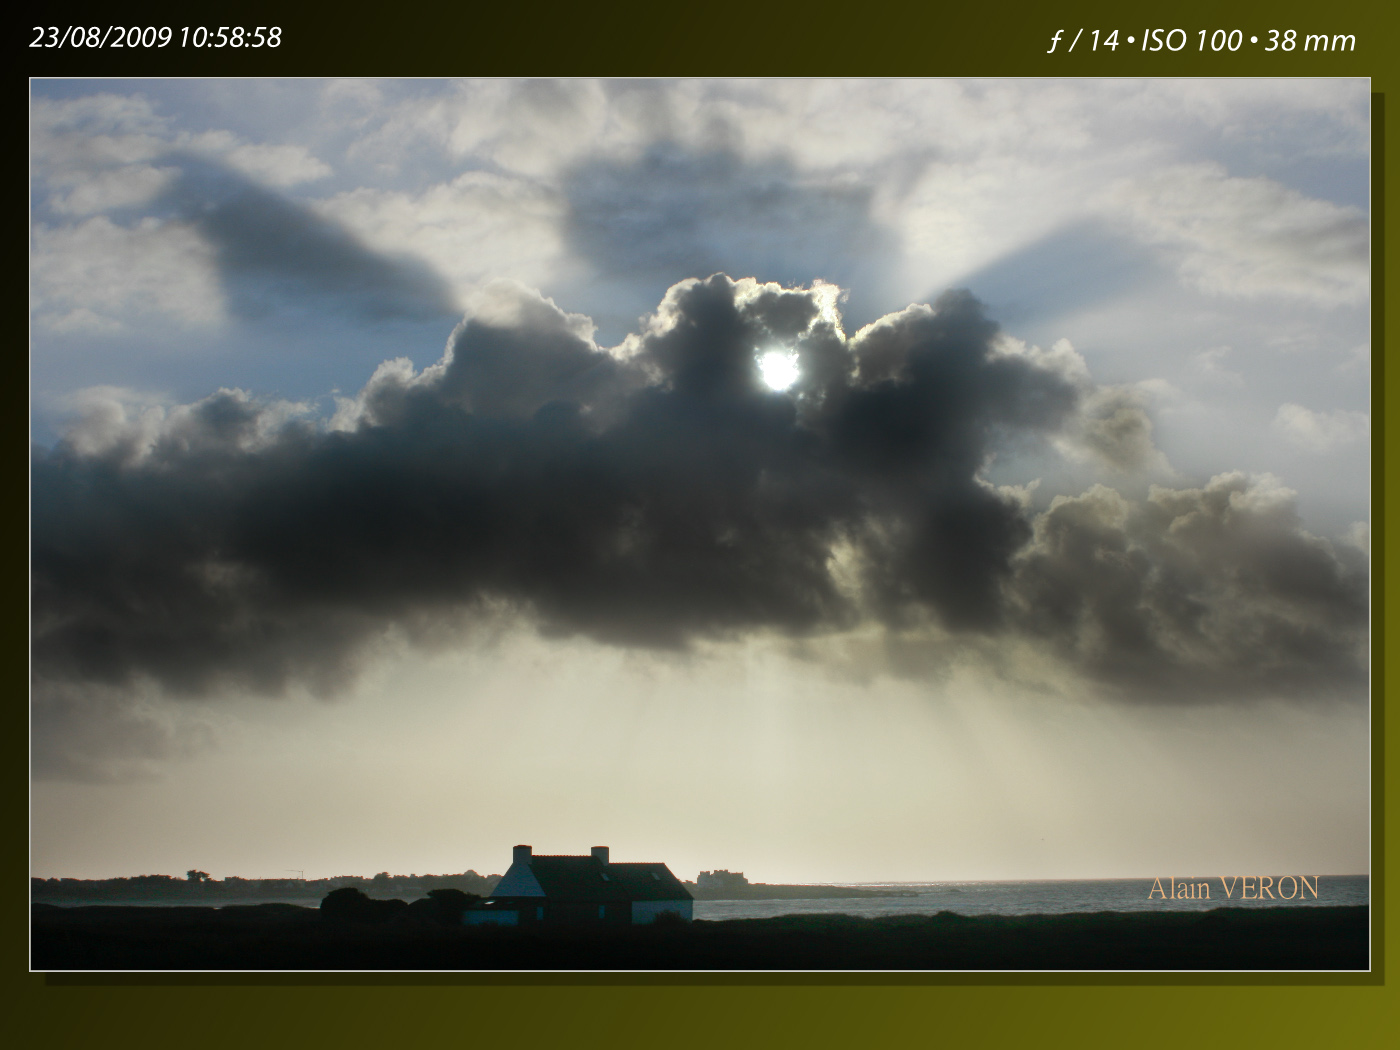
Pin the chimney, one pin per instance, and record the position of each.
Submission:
(600, 854)
(520, 855)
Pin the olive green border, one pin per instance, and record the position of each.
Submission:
(868, 39)
(779, 38)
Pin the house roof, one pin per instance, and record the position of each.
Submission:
(649, 882)
(588, 879)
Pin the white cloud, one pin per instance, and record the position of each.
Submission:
(1321, 431)
(1250, 236)
(1357, 359)
(125, 424)
(93, 272)
(115, 139)
(106, 190)
(271, 164)
(478, 227)
(99, 131)
(1211, 365)
(113, 418)
(99, 275)
(964, 172)
(1245, 106)
(530, 127)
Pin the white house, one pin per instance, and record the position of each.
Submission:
(591, 890)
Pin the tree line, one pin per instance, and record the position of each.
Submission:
(200, 886)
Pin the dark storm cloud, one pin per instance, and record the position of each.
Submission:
(1223, 578)
(648, 497)
(641, 498)
(273, 253)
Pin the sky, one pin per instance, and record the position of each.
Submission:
(826, 480)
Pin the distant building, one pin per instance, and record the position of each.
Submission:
(721, 881)
(581, 890)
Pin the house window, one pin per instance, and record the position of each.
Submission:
(539, 912)
(602, 910)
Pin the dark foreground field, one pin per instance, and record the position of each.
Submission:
(284, 937)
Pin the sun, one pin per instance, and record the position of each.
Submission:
(779, 368)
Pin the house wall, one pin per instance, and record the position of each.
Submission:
(646, 911)
(572, 912)
(518, 881)
(490, 918)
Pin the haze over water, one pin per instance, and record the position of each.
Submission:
(1034, 897)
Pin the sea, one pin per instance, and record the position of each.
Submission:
(1035, 897)
(1054, 897)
